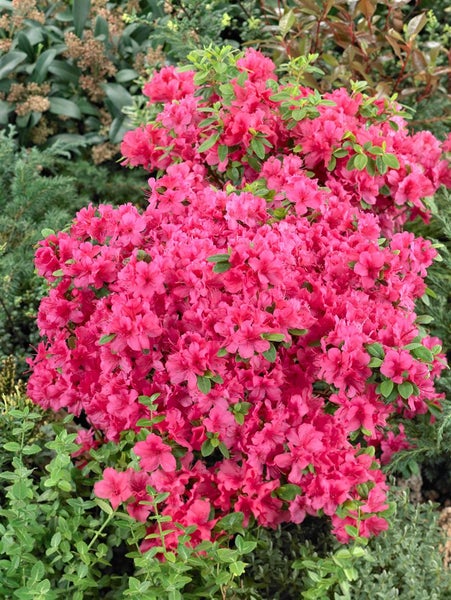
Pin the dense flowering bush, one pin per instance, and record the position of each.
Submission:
(255, 325)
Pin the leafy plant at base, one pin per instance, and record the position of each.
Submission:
(403, 562)
(56, 542)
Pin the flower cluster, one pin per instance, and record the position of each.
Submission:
(255, 324)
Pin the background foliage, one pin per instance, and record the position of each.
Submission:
(395, 47)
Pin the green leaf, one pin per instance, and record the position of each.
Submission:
(226, 554)
(360, 161)
(224, 450)
(119, 126)
(289, 491)
(375, 362)
(423, 353)
(61, 106)
(394, 125)
(376, 350)
(209, 142)
(207, 121)
(10, 61)
(46, 232)
(126, 75)
(118, 97)
(5, 109)
(297, 331)
(12, 447)
(106, 338)
(64, 485)
(204, 384)
(42, 65)
(223, 152)
(299, 113)
(380, 165)
(32, 449)
(405, 389)
(101, 27)
(390, 160)
(65, 71)
(350, 163)
(207, 448)
(331, 164)
(386, 388)
(237, 568)
(105, 506)
(286, 22)
(80, 12)
(273, 337)
(21, 491)
(271, 353)
(258, 148)
(351, 530)
(415, 25)
(215, 258)
(221, 267)
(231, 523)
(149, 400)
(23, 43)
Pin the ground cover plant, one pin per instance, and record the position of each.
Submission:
(250, 339)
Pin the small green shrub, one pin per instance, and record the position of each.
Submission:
(56, 542)
(404, 562)
(50, 532)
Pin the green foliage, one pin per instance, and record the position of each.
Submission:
(403, 562)
(54, 541)
(67, 69)
(181, 26)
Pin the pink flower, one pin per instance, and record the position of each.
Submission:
(396, 365)
(155, 453)
(114, 487)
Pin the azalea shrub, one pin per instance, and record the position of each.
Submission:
(253, 330)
